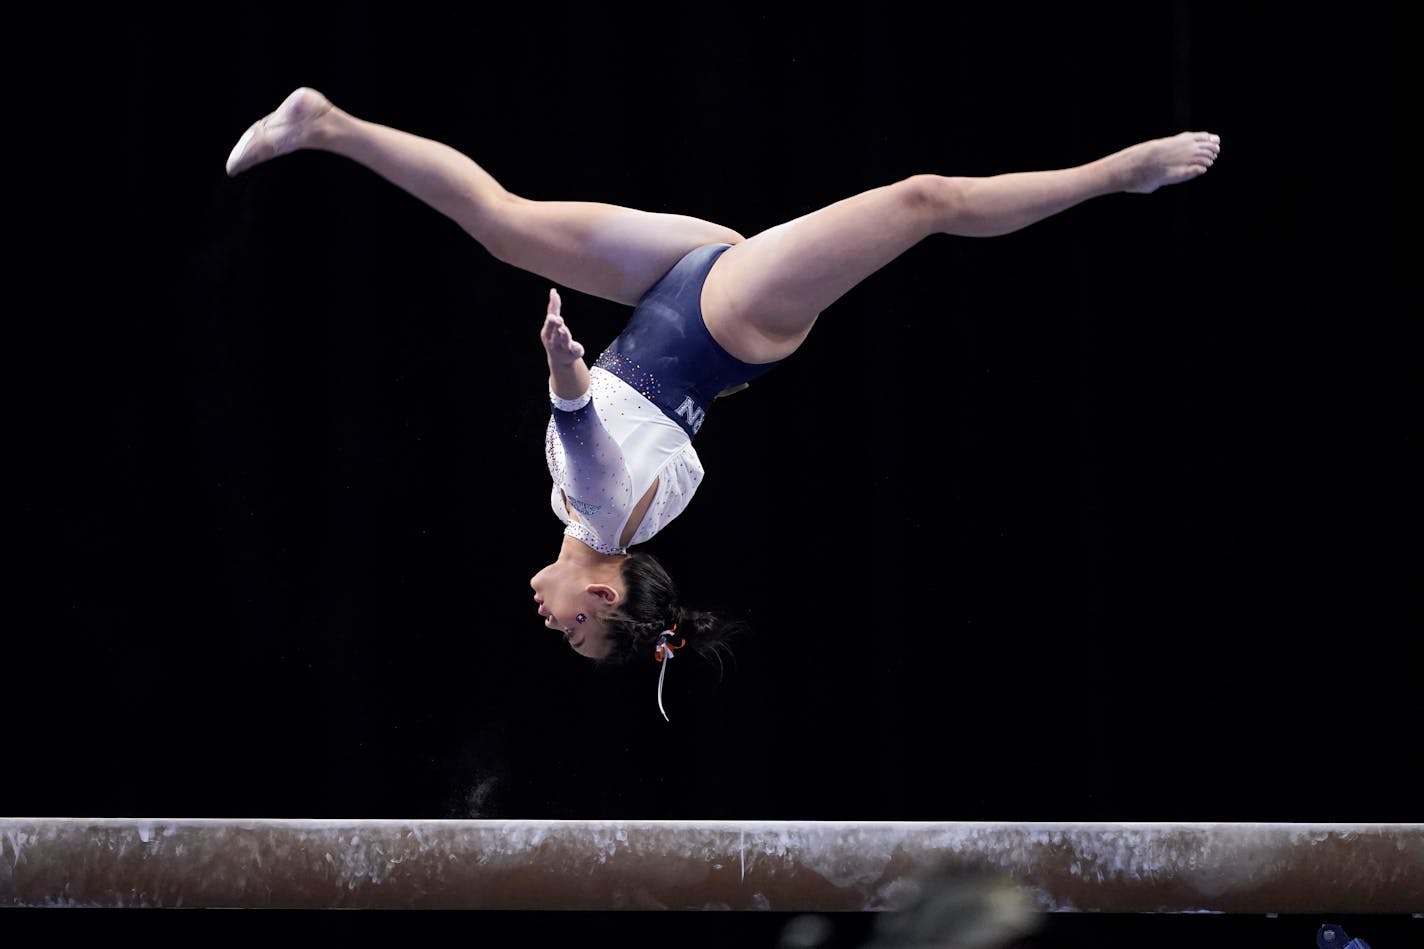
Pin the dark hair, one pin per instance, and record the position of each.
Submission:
(651, 605)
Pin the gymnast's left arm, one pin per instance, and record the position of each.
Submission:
(596, 479)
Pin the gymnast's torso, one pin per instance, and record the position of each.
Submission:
(621, 457)
(622, 470)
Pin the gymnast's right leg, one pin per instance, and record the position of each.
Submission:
(599, 249)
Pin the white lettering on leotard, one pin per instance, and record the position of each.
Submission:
(689, 410)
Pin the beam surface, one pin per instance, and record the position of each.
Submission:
(797, 866)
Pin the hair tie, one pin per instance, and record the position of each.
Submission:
(664, 650)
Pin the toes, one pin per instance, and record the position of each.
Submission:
(245, 151)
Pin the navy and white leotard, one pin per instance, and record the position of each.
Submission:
(648, 395)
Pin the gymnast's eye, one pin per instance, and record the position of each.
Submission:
(580, 617)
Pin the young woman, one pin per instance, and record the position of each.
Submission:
(712, 310)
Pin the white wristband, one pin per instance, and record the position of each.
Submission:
(570, 405)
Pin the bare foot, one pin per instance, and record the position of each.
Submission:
(1168, 161)
(279, 133)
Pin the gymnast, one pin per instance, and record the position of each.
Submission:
(712, 310)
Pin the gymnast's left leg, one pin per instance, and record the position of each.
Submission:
(762, 296)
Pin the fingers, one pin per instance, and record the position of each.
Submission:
(566, 342)
(552, 318)
(555, 329)
(556, 336)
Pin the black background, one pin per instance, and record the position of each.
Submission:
(1114, 518)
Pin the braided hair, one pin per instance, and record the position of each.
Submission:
(651, 606)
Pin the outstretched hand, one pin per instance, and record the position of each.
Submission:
(558, 342)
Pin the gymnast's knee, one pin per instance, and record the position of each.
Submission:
(935, 196)
(494, 224)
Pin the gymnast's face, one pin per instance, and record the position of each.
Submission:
(572, 601)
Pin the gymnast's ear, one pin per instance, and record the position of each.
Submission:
(604, 592)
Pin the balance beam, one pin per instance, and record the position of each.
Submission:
(782, 866)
